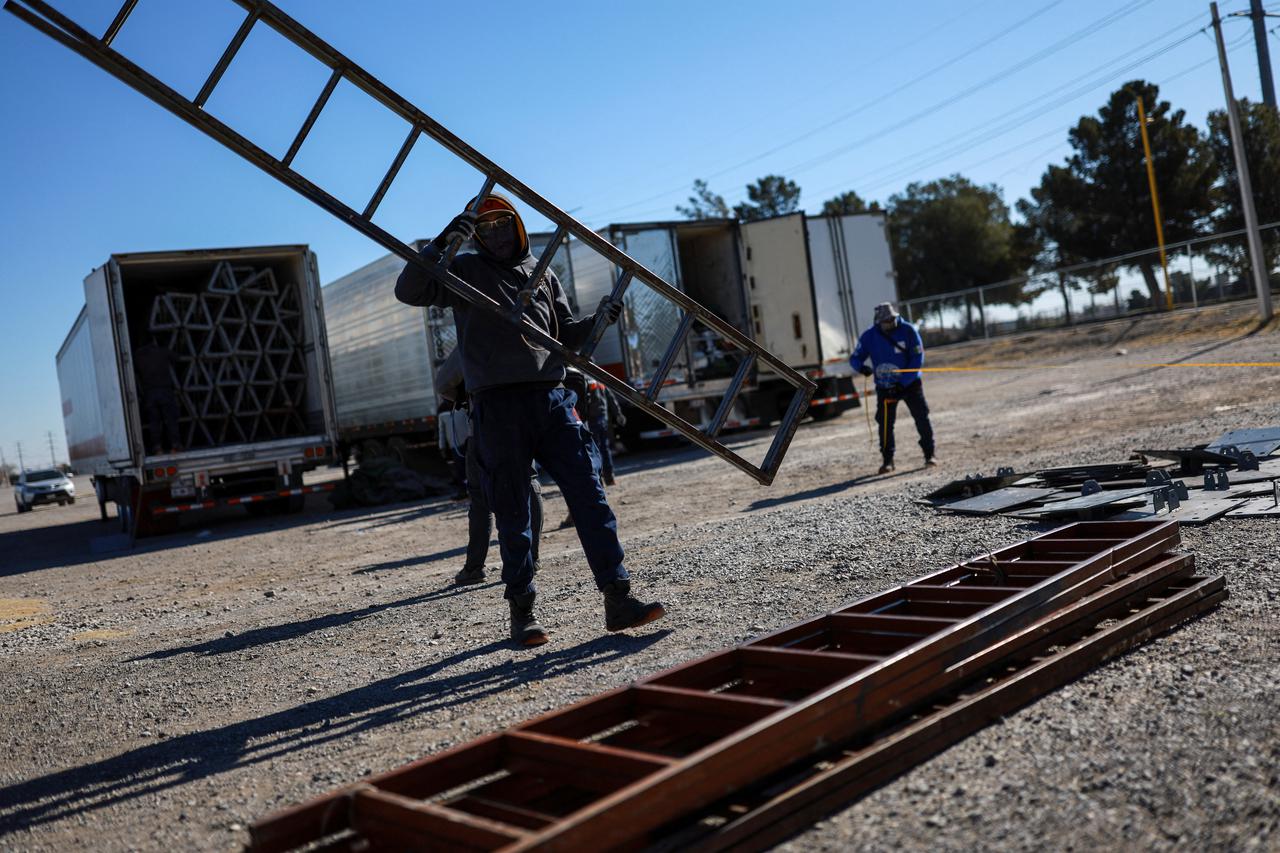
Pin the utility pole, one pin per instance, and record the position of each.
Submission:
(22, 466)
(53, 459)
(4, 467)
(1155, 205)
(1259, 17)
(1257, 261)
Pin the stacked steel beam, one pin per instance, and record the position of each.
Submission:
(240, 374)
(644, 764)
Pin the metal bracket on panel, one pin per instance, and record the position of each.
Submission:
(1215, 480)
(1089, 487)
(1248, 461)
(1004, 471)
(1158, 478)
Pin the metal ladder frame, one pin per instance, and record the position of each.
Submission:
(48, 20)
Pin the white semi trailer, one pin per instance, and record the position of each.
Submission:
(802, 286)
(250, 373)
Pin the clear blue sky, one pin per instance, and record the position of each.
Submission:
(608, 109)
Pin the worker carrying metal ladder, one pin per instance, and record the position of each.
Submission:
(752, 357)
(437, 268)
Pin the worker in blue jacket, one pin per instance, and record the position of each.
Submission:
(896, 354)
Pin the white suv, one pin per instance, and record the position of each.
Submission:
(43, 487)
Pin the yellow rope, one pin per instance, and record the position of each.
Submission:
(866, 407)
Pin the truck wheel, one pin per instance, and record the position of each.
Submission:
(825, 413)
(71, 500)
(100, 492)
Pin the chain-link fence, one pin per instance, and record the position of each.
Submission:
(1201, 271)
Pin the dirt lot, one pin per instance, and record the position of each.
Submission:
(167, 697)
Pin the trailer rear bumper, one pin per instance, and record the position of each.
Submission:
(273, 495)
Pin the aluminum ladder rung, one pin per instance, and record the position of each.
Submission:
(118, 21)
(474, 206)
(43, 17)
(233, 47)
(669, 357)
(597, 331)
(730, 395)
(390, 176)
(544, 263)
(316, 109)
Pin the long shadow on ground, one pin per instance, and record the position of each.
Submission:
(157, 767)
(59, 545)
(292, 630)
(823, 491)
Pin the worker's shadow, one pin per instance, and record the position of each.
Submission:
(292, 630)
(157, 767)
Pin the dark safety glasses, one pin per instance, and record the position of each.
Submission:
(485, 227)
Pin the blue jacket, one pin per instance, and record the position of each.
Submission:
(899, 349)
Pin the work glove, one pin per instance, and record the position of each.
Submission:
(865, 369)
(462, 228)
(610, 310)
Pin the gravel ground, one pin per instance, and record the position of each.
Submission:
(169, 696)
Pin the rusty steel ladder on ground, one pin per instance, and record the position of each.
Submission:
(621, 769)
(58, 26)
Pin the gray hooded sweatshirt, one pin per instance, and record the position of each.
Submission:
(494, 353)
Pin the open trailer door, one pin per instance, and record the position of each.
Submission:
(778, 288)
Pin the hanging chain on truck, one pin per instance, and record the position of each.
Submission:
(61, 28)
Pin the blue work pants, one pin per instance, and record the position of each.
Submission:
(512, 428)
(600, 434)
(887, 400)
(480, 516)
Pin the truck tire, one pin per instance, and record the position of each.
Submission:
(21, 506)
(71, 500)
(825, 413)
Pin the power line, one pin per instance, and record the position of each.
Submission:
(897, 49)
(973, 89)
(919, 78)
(1074, 95)
(1061, 129)
(984, 131)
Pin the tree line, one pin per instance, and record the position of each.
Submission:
(952, 234)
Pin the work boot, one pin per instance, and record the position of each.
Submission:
(887, 467)
(622, 610)
(608, 479)
(469, 574)
(930, 462)
(525, 630)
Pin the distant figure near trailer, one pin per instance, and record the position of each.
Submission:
(521, 410)
(897, 354)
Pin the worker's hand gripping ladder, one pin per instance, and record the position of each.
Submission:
(61, 28)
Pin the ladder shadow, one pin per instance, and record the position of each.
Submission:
(158, 767)
(824, 491)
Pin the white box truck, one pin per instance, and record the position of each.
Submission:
(248, 360)
(804, 287)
